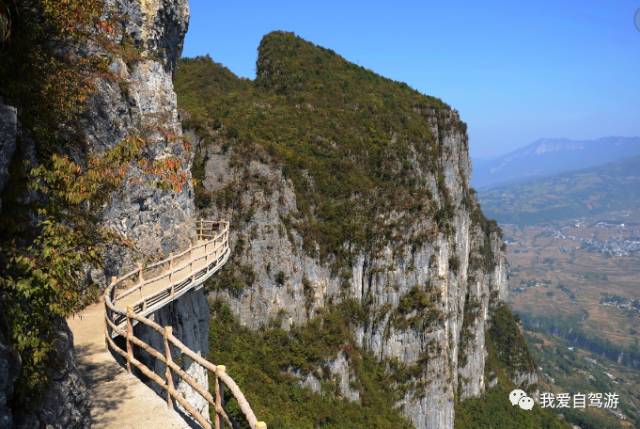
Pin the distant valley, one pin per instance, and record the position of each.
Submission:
(583, 193)
(570, 212)
(575, 287)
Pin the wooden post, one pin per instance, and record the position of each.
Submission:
(201, 228)
(168, 332)
(129, 335)
(170, 268)
(219, 394)
(218, 403)
(107, 311)
(140, 279)
(107, 331)
(112, 294)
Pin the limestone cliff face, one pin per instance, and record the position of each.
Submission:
(427, 289)
(65, 402)
(451, 350)
(142, 102)
(8, 135)
(9, 367)
(189, 317)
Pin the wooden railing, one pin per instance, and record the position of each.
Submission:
(149, 288)
(157, 285)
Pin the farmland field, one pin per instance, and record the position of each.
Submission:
(576, 286)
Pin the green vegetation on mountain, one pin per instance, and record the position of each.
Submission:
(506, 352)
(263, 363)
(360, 154)
(350, 141)
(509, 343)
(614, 186)
(571, 328)
(574, 370)
(270, 363)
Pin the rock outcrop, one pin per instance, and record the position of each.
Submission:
(8, 135)
(9, 368)
(65, 402)
(464, 294)
(9, 360)
(140, 102)
(189, 317)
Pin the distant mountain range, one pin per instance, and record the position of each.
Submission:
(547, 157)
(587, 192)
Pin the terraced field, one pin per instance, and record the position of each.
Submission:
(576, 286)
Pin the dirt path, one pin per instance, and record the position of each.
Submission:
(120, 400)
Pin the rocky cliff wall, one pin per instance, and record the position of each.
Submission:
(134, 98)
(9, 368)
(142, 102)
(8, 135)
(65, 402)
(189, 317)
(9, 360)
(460, 274)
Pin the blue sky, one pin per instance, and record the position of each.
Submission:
(517, 71)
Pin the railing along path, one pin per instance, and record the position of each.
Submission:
(132, 297)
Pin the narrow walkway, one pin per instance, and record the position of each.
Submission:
(151, 289)
(120, 400)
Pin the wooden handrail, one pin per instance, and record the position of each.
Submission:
(219, 248)
(221, 237)
(120, 322)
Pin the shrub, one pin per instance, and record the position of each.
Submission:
(281, 278)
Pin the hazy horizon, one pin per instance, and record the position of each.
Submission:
(555, 138)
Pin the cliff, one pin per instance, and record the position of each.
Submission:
(109, 78)
(349, 197)
(156, 219)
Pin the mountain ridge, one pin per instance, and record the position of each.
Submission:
(549, 156)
